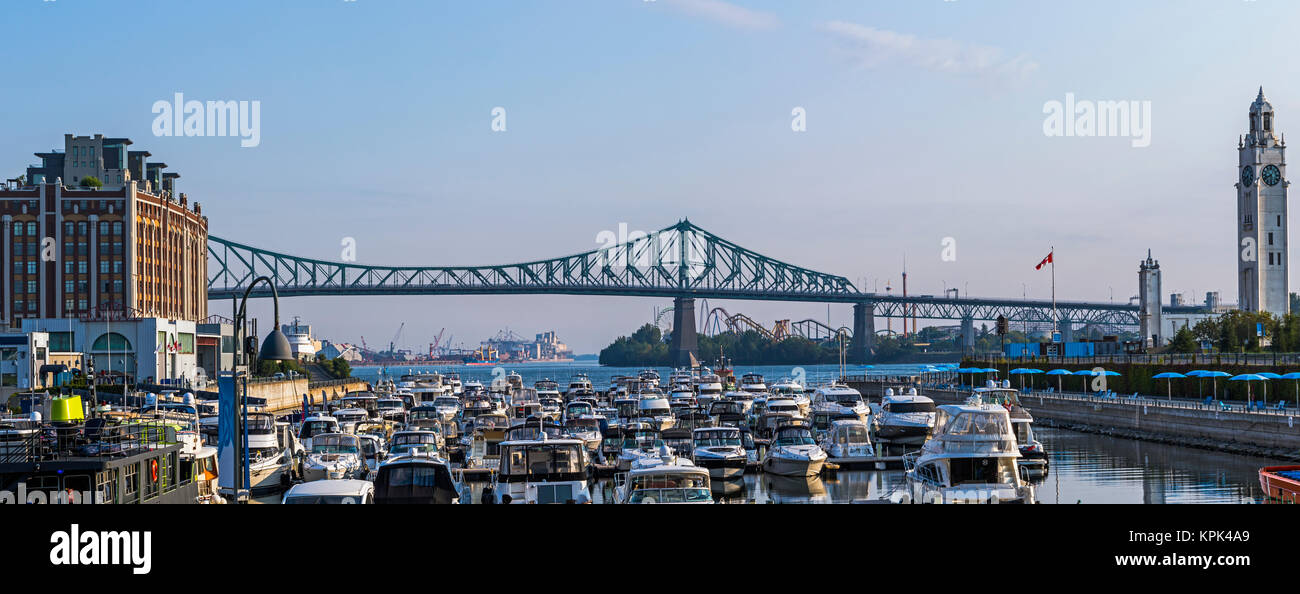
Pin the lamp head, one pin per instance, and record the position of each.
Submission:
(275, 347)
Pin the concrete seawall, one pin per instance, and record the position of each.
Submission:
(287, 394)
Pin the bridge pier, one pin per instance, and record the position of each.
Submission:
(864, 332)
(967, 335)
(1067, 330)
(685, 341)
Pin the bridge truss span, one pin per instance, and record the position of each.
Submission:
(680, 260)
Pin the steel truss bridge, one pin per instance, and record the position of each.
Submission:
(679, 261)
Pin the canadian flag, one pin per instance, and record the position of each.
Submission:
(1045, 262)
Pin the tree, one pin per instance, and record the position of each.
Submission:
(91, 181)
(1184, 342)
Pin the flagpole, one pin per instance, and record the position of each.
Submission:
(1052, 254)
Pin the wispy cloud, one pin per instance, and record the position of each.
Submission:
(726, 13)
(872, 47)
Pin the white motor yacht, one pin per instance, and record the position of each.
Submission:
(840, 399)
(541, 470)
(753, 382)
(794, 452)
(904, 418)
(972, 458)
(334, 456)
(652, 481)
(720, 451)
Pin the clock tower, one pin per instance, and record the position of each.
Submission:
(1262, 263)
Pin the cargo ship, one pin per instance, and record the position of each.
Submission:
(483, 356)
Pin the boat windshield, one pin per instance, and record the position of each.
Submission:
(490, 422)
(390, 404)
(313, 428)
(543, 459)
(642, 440)
(424, 414)
(848, 398)
(717, 438)
(334, 444)
(851, 434)
(446, 402)
(579, 409)
(973, 423)
(911, 407)
(670, 480)
(410, 438)
(584, 425)
(793, 437)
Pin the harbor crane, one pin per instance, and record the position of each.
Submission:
(392, 345)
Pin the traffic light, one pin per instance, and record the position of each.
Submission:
(1002, 326)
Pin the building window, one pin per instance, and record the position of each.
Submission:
(117, 286)
(1270, 238)
(67, 285)
(67, 304)
(83, 304)
(18, 305)
(117, 228)
(31, 306)
(81, 267)
(103, 266)
(117, 266)
(31, 268)
(31, 286)
(31, 227)
(1279, 220)
(81, 227)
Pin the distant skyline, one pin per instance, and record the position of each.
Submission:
(924, 120)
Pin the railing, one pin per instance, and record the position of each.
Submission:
(1210, 359)
(53, 443)
(1214, 405)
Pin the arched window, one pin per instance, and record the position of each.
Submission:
(111, 341)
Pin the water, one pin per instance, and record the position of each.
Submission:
(1085, 467)
(811, 375)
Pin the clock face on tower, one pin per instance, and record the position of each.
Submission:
(1247, 175)
(1271, 175)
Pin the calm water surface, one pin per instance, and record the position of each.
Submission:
(1085, 467)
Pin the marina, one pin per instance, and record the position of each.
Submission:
(755, 448)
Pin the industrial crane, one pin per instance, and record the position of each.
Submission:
(433, 346)
(392, 345)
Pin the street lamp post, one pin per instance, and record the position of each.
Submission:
(274, 348)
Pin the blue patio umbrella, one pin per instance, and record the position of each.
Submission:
(1169, 385)
(1214, 379)
(1085, 373)
(1267, 375)
(1294, 376)
(1020, 371)
(1058, 373)
(1198, 374)
(1247, 377)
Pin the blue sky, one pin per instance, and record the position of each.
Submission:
(924, 121)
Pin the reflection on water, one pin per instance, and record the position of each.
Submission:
(1092, 468)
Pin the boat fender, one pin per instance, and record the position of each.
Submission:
(153, 470)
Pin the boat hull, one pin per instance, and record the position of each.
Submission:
(792, 467)
(722, 468)
(1280, 484)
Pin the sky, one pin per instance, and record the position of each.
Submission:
(924, 121)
